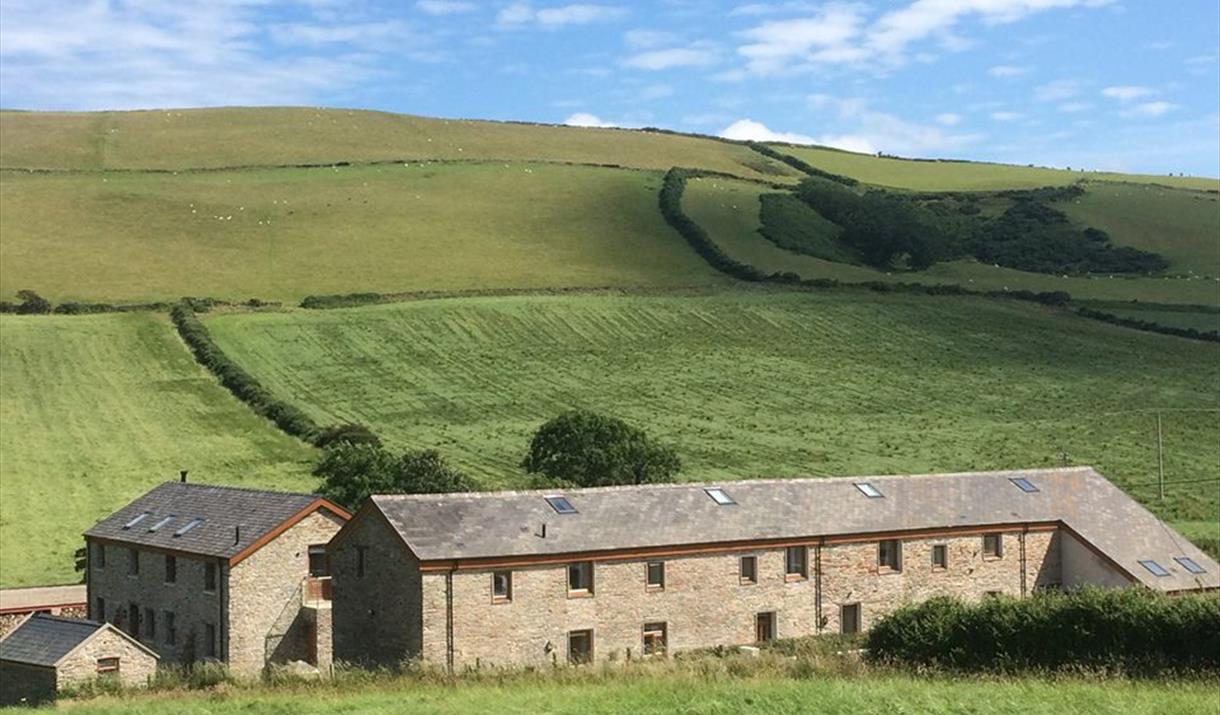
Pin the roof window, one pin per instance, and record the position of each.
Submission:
(869, 490)
(189, 525)
(161, 523)
(137, 520)
(719, 496)
(1190, 564)
(1154, 568)
(1024, 484)
(561, 505)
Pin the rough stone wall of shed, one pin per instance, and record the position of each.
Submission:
(185, 598)
(376, 616)
(1082, 567)
(22, 684)
(136, 666)
(265, 620)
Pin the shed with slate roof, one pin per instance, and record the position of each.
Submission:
(45, 654)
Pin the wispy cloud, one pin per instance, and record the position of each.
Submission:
(445, 7)
(1149, 109)
(693, 56)
(1007, 71)
(1127, 93)
(1057, 90)
(524, 14)
(750, 130)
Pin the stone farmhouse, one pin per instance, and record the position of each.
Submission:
(199, 572)
(540, 577)
(45, 654)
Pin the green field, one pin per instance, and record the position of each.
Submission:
(711, 696)
(756, 384)
(729, 211)
(965, 175)
(98, 410)
(281, 234)
(278, 136)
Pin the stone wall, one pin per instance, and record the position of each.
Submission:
(9, 621)
(136, 666)
(22, 684)
(377, 615)
(265, 620)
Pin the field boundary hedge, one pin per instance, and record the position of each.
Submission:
(1132, 630)
(236, 380)
(1210, 336)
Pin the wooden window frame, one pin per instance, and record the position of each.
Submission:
(944, 551)
(99, 550)
(803, 573)
(648, 584)
(585, 567)
(752, 579)
(654, 632)
(310, 552)
(507, 597)
(211, 648)
(149, 624)
(133, 562)
(586, 633)
(859, 618)
(171, 569)
(999, 547)
(772, 626)
(109, 665)
(883, 567)
(211, 576)
(171, 628)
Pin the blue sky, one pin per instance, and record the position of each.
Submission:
(1100, 84)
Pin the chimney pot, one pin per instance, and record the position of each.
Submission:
(182, 476)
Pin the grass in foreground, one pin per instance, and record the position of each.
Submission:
(286, 233)
(94, 411)
(757, 383)
(729, 211)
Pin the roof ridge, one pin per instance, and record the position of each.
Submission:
(233, 488)
(66, 619)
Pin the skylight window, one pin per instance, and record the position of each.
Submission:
(137, 520)
(159, 524)
(189, 525)
(561, 505)
(869, 490)
(1189, 564)
(1154, 568)
(1024, 484)
(720, 496)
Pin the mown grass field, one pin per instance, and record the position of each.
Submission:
(276, 136)
(728, 210)
(826, 696)
(760, 383)
(281, 234)
(97, 410)
(966, 176)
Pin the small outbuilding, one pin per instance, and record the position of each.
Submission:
(46, 653)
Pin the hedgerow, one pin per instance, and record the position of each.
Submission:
(670, 199)
(1132, 630)
(1191, 333)
(800, 165)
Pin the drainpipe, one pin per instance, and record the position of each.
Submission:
(817, 581)
(222, 573)
(449, 617)
(1024, 532)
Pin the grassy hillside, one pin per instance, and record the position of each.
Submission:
(757, 383)
(264, 136)
(710, 696)
(285, 233)
(965, 175)
(729, 211)
(98, 409)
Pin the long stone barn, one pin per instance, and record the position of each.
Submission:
(541, 577)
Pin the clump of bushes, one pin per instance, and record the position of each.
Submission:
(352, 472)
(346, 300)
(586, 449)
(1131, 630)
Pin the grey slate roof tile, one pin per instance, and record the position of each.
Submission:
(233, 518)
(43, 640)
(505, 524)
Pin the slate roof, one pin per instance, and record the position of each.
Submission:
(45, 640)
(505, 524)
(233, 518)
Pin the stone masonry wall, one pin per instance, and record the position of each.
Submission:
(377, 615)
(265, 590)
(136, 666)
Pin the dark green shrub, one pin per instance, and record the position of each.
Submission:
(800, 165)
(352, 472)
(792, 225)
(32, 303)
(591, 450)
(349, 433)
(320, 302)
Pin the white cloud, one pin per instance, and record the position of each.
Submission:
(1007, 71)
(1127, 93)
(1057, 90)
(949, 119)
(1149, 109)
(827, 36)
(445, 7)
(584, 119)
(761, 8)
(694, 56)
(520, 14)
(646, 39)
(1006, 116)
(750, 130)
(304, 33)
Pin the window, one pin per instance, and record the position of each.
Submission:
(137, 520)
(171, 630)
(209, 576)
(209, 640)
(161, 523)
(171, 569)
(654, 638)
(100, 614)
(720, 496)
(849, 618)
(869, 490)
(317, 560)
(108, 666)
(796, 563)
(133, 618)
(133, 562)
(1024, 485)
(188, 527)
(764, 627)
(993, 546)
(99, 556)
(360, 561)
(561, 505)
(502, 586)
(654, 577)
(150, 624)
(889, 555)
(580, 647)
(940, 556)
(749, 569)
(1189, 564)
(580, 578)
(1154, 568)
